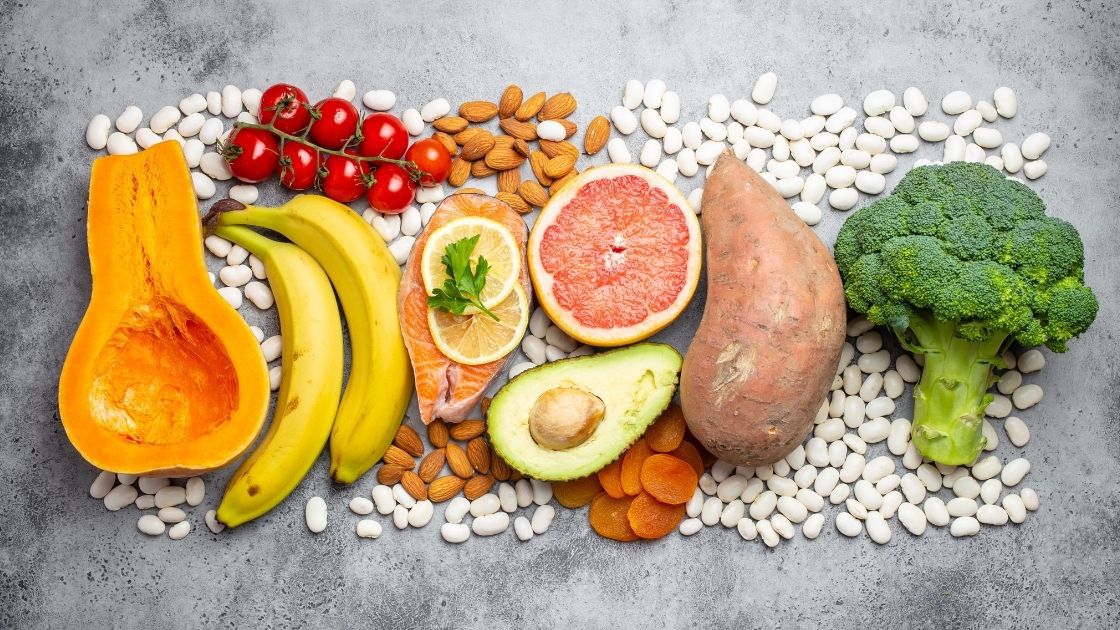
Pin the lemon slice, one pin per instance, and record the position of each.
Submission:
(477, 339)
(495, 243)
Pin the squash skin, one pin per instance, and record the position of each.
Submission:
(162, 377)
(765, 353)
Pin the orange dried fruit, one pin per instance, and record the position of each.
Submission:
(632, 462)
(650, 518)
(667, 432)
(608, 517)
(577, 492)
(669, 479)
(610, 477)
(690, 454)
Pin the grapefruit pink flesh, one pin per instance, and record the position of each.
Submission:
(617, 257)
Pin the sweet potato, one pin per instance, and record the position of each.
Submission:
(766, 350)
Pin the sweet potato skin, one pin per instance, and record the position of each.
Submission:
(766, 350)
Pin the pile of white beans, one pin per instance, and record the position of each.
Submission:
(839, 159)
(861, 459)
(490, 514)
(119, 491)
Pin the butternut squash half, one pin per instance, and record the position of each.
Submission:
(163, 377)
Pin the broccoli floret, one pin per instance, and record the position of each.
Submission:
(960, 262)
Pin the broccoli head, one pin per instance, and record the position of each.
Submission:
(960, 261)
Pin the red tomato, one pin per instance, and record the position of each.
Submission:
(392, 189)
(299, 165)
(383, 135)
(337, 123)
(432, 159)
(345, 179)
(252, 154)
(286, 107)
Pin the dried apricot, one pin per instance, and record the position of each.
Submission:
(667, 432)
(577, 492)
(632, 467)
(608, 517)
(610, 477)
(690, 454)
(650, 518)
(669, 479)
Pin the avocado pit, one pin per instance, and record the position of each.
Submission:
(564, 417)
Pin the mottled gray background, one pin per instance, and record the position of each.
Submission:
(66, 562)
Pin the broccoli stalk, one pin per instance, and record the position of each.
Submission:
(950, 399)
(960, 262)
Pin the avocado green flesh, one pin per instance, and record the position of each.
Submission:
(635, 383)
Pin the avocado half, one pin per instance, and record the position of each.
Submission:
(635, 383)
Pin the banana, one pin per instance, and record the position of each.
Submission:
(366, 278)
(310, 383)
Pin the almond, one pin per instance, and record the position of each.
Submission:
(457, 461)
(552, 148)
(533, 193)
(558, 106)
(477, 486)
(521, 147)
(570, 128)
(477, 146)
(389, 474)
(503, 141)
(597, 134)
(414, 485)
(508, 180)
(510, 101)
(478, 452)
(530, 107)
(450, 124)
(478, 111)
(459, 174)
(513, 200)
(467, 430)
(480, 169)
(444, 488)
(517, 129)
(437, 433)
(537, 160)
(559, 166)
(501, 159)
(498, 466)
(558, 184)
(408, 440)
(447, 141)
(472, 191)
(465, 135)
(515, 474)
(431, 465)
(397, 456)
(485, 404)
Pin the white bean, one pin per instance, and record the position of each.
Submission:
(1017, 431)
(843, 198)
(401, 248)
(673, 140)
(212, 523)
(782, 526)
(1035, 145)
(732, 513)
(129, 119)
(120, 144)
(379, 100)
(1034, 169)
(990, 491)
(1026, 396)
(914, 101)
(933, 131)
(490, 524)
(102, 484)
(1031, 361)
(855, 158)
(367, 528)
(650, 154)
(551, 130)
(420, 514)
(195, 491)
(961, 506)
(654, 92)
(712, 511)
(402, 497)
(690, 526)
(120, 497)
(904, 143)
(1007, 104)
(964, 526)
(97, 131)
(1014, 472)
(455, 533)
(361, 506)
(936, 512)
(315, 514)
(807, 212)
(211, 130)
(618, 152)
(456, 510)
(1016, 510)
(841, 120)
(826, 481)
(151, 525)
(653, 125)
(852, 468)
(434, 109)
(878, 102)
(879, 126)
(764, 87)
(848, 525)
(413, 122)
(271, 348)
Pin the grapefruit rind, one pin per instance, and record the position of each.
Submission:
(543, 281)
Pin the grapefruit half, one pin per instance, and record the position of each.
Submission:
(615, 255)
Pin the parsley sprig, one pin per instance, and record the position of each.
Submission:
(463, 285)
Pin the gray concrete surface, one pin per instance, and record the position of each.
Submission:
(66, 562)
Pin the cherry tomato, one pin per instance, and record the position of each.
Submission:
(383, 135)
(299, 165)
(252, 154)
(344, 179)
(286, 107)
(432, 159)
(392, 189)
(337, 123)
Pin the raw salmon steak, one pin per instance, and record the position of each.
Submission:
(445, 389)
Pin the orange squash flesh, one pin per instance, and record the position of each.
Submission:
(162, 377)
